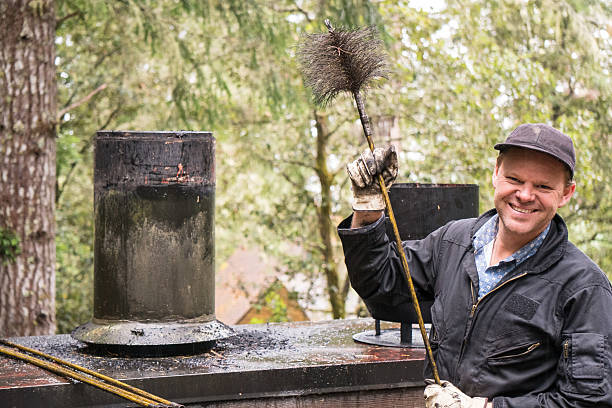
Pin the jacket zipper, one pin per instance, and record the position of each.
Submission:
(529, 350)
(475, 305)
(474, 302)
(473, 310)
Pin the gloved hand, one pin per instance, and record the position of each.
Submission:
(449, 396)
(364, 172)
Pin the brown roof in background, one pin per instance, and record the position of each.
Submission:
(241, 281)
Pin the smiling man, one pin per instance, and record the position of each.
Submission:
(521, 317)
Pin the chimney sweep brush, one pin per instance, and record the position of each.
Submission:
(349, 61)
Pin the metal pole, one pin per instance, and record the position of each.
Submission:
(365, 122)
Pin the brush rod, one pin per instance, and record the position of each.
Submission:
(56, 368)
(367, 130)
(84, 370)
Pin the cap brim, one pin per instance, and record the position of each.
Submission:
(502, 146)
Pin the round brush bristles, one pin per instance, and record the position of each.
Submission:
(341, 60)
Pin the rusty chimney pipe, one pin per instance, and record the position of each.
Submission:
(154, 205)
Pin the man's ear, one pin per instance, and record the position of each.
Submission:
(568, 192)
(494, 176)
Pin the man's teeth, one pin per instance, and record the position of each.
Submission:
(521, 210)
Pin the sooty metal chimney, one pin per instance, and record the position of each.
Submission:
(154, 204)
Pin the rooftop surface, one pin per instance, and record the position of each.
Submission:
(282, 359)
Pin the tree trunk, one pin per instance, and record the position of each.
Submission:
(337, 296)
(27, 161)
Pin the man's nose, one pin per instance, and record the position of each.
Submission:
(526, 192)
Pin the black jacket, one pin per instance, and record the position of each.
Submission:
(541, 338)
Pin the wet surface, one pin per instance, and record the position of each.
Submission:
(274, 358)
(253, 347)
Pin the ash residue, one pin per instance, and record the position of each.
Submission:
(61, 346)
(258, 339)
(250, 345)
(252, 348)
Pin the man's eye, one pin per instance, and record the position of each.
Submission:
(513, 179)
(544, 187)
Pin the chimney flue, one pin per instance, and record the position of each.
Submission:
(154, 205)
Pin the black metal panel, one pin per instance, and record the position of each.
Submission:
(422, 208)
(419, 210)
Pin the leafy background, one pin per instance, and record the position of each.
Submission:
(464, 75)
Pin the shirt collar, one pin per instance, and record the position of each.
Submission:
(487, 232)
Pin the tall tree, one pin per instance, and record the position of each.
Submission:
(301, 151)
(27, 160)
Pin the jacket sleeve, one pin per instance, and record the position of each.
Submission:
(584, 369)
(375, 268)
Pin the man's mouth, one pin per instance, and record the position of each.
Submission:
(521, 210)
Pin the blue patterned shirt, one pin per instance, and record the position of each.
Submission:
(489, 276)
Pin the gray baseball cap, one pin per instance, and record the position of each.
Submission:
(543, 138)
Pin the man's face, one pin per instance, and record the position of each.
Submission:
(529, 188)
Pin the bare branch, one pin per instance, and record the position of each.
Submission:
(588, 239)
(62, 20)
(285, 161)
(334, 173)
(297, 163)
(293, 183)
(340, 124)
(81, 101)
(296, 8)
(102, 57)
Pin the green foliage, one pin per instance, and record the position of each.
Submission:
(74, 254)
(9, 246)
(500, 64)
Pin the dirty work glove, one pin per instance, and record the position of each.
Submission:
(364, 172)
(449, 396)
